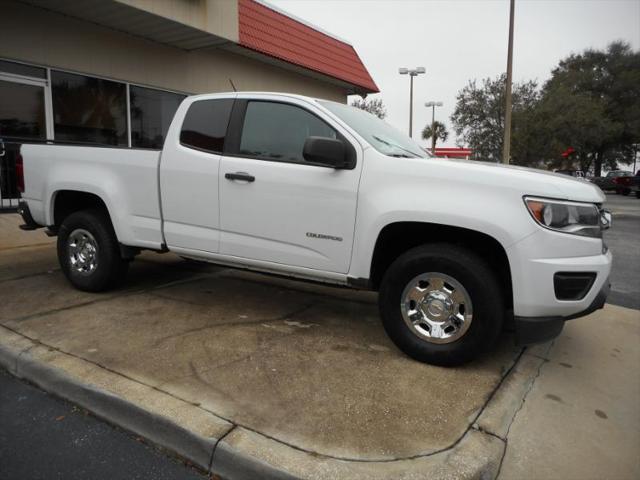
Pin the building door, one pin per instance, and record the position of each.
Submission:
(25, 112)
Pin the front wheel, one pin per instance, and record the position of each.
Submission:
(441, 304)
(88, 251)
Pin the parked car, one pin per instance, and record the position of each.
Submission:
(608, 182)
(629, 184)
(322, 191)
(579, 174)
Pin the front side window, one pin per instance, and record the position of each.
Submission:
(151, 114)
(87, 109)
(277, 131)
(205, 125)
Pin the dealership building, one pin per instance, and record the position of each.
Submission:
(112, 72)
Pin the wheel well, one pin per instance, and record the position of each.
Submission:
(397, 238)
(67, 202)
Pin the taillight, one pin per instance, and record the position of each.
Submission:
(19, 173)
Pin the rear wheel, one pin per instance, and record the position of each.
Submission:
(441, 304)
(89, 253)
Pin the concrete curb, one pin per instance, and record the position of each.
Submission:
(220, 447)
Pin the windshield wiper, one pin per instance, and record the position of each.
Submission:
(399, 155)
(395, 146)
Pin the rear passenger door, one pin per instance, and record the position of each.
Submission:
(276, 207)
(189, 176)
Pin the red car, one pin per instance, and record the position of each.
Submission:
(629, 184)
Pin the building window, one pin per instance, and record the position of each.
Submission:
(22, 112)
(90, 110)
(151, 114)
(205, 125)
(277, 131)
(22, 69)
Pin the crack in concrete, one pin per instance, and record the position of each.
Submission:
(113, 296)
(29, 275)
(522, 402)
(22, 247)
(215, 446)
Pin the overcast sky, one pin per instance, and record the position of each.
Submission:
(459, 40)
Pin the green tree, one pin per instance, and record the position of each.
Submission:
(478, 119)
(374, 106)
(441, 133)
(592, 104)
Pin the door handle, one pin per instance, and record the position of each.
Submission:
(245, 177)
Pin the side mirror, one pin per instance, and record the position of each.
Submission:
(325, 151)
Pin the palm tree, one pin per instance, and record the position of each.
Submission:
(441, 133)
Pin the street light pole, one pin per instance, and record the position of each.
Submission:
(433, 106)
(412, 73)
(506, 147)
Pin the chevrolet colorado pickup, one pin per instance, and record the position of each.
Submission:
(319, 190)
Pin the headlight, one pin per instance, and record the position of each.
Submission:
(566, 217)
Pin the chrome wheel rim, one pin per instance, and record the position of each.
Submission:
(436, 307)
(82, 249)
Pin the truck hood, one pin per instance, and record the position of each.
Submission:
(527, 181)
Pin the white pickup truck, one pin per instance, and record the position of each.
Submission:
(319, 190)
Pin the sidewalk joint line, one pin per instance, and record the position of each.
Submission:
(215, 446)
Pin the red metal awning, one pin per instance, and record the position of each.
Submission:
(267, 31)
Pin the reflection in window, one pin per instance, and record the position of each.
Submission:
(278, 131)
(151, 114)
(205, 125)
(87, 109)
(21, 111)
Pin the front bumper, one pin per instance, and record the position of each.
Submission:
(540, 329)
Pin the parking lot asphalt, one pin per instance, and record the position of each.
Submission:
(43, 437)
(624, 241)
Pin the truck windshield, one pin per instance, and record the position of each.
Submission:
(382, 136)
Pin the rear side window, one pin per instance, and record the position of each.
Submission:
(277, 131)
(205, 125)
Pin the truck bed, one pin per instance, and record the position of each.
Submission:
(126, 179)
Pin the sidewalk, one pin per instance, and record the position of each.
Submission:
(581, 419)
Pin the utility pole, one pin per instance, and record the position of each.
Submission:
(412, 73)
(506, 147)
(433, 106)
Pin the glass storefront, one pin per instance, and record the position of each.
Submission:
(151, 114)
(38, 103)
(88, 110)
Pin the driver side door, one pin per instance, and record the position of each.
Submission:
(275, 206)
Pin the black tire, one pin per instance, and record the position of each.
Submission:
(626, 192)
(476, 277)
(110, 270)
(637, 193)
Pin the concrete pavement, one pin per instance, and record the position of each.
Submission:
(248, 375)
(253, 376)
(581, 419)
